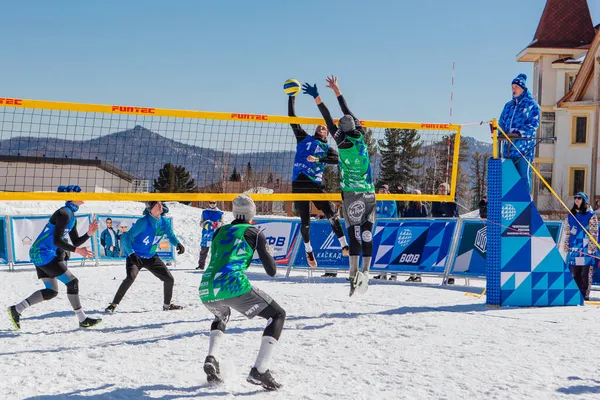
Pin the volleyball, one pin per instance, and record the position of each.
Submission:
(291, 87)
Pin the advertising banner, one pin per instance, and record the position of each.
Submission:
(26, 229)
(110, 232)
(326, 247)
(281, 235)
(471, 251)
(411, 245)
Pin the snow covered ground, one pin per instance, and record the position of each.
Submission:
(399, 340)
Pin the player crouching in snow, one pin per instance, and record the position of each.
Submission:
(49, 254)
(225, 286)
(140, 244)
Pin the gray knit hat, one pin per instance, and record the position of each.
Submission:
(244, 208)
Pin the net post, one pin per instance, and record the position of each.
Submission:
(9, 244)
(494, 127)
(452, 251)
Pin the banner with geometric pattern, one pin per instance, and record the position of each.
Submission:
(471, 251)
(413, 245)
(529, 266)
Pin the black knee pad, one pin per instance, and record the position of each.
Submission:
(333, 219)
(48, 294)
(282, 314)
(275, 316)
(73, 286)
(220, 324)
(305, 232)
(169, 279)
(354, 240)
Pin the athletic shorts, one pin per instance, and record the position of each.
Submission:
(359, 208)
(53, 269)
(249, 304)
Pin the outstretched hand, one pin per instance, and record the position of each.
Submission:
(93, 228)
(310, 90)
(332, 83)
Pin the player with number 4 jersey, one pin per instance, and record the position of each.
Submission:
(140, 244)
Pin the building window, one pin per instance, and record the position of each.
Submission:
(569, 81)
(546, 172)
(579, 130)
(547, 125)
(577, 180)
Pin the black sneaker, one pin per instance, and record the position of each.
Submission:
(353, 281)
(417, 279)
(200, 267)
(14, 316)
(394, 278)
(171, 307)
(410, 279)
(111, 308)
(213, 372)
(89, 322)
(450, 281)
(265, 379)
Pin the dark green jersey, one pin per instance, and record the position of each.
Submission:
(355, 167)
(231, 256)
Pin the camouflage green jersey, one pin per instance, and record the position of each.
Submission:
(355, 166)
(231, 255)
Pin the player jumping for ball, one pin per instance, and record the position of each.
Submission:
(356, 180)
(312, 155)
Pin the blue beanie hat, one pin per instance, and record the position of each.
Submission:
(520, 80)
(583, 196)
(69, 189)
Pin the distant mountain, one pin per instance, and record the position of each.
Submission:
(141, 153)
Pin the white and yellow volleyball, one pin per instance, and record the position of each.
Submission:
(291, 87)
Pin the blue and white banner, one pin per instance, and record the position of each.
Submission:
(412, 245)
(470, 259)
(326, 247)
(110, 231)
(25, 229)
(281, 235)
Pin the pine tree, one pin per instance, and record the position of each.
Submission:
(462, 179)
(440, 157)
(331, 179)
(371, 143)
(249, 172)
(235, 176)
(479, 175)
(172, 179)
(390, 149)
(400, 150)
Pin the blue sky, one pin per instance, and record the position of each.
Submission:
(394, 58)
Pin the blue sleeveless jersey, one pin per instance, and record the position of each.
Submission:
(211, 215)
(313, 170)
(43, 250)
(145, 236)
